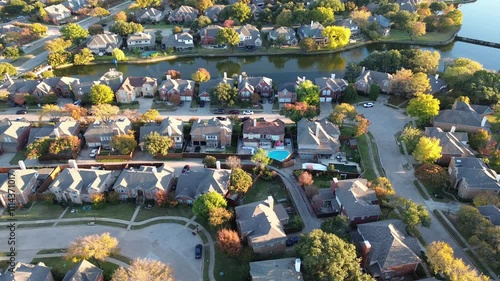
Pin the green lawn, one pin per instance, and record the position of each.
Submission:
(20, 155)
(179, 211)
(158, 26)
(495, 127)
(129, 106)
(161, 106)
(396, 100)
(120, 211)
(38, 211)
(365, 158)
(399, 35)
(322, 181)
(262, 189)
(229, 268)
(60, 266)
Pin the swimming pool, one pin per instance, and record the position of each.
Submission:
(280, 155)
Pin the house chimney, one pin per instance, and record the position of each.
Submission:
(240, 78)
(334, 185)
(365, 250)
(303, 79)
(453, 128)
(332, 76)
(175, 36)
(169, 130)
(225, 75)
(436, 77)
(217, 165)
(169, 77)
(255, 122)
(56, 133)
(483, 122)
(22, 165)
(363, 70)
(72, 164)
(270, 202)
(312, 23)
(297, 265)
(317, 130)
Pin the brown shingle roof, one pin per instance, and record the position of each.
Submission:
(276, 127)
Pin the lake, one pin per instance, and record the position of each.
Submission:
(481, 21)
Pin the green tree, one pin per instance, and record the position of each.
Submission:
(456, 16)
(206, 202)
(285, 18)
(74, 32)
(225, 94)
(241, 11)
(201, 75)
(404, 20)
(338, 36)
(144, 269)
(439, 255)
(97, 247)
(151, 115)
(427, 150)
(352, 71)
(413, 214)
(308, 93)
(118, 54)
(209, 161)
(343, 112)
(410, 136)
(147, 3)
(96, 29)
(201, 22)
(57, 45)
(308, 44)
(100, 94)
(437, 6)
(12, 52)
(124, 144)
(202, 5)
(423, 107)
(327, 257)
(155, 144)
(59, 58)
(335, 5)
(479, 139)
(486, 198)
(424, 61)
(240, 181)
(322, 15)
(99, 12)
(494, 161)
(39, 29)
(338, 225)
(104, 112)
(298, 111)
(38, 148)
(83, 57)
(350, 93)
(7, 68)
(460, 70)
(261, 158)
(374, 91)
(227, 36)
(408, 84)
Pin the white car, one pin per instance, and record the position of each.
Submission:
(93, 152)
(368, 104)
(247, 112)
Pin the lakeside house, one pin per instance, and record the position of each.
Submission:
(463, 117)
(141, 41)
(180, 42)
(314, 31)
(169, 126)
(330, 88)
(283, 35)
(134, 87)
(104, 43)
(369, 77)
(176, 87)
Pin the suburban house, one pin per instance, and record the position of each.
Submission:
(261, 225)
(249, 36)
(78, 185)
(104, 43)
(26, 272)
(463, 117)
(330, 88)
(260, 3)
(183, 14)
(192, 184)
(437, 84)
(84, 271)
(180, 42)
(13, 135)
(213, 12)
(286, 92)
(44, 87)
(491, 213)
(134, 87)
(25, 183)
(212, 133)
(100, 133)
(74, 5)
(387, 251)
(383, 24)
(143, 183)
(482, 110)
(208, 35)
(287, 269)
(314, 31)
(80, 88)
(408, 5)
(453, 144)
(369, 77)
(150, 15)
(170, 127)
(356, 200)
(57, 12)
(255, 11)
(471, 176)
(206, 88)
(263, 86)
(317, 139)
(284, 35)
(352, 26)
(176, 87)
(141, 41)
(264, 134)
(63, 87)
(64, 128)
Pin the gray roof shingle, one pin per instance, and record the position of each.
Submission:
(195, 183)
(28, 272)
(274, 270)
(451, 142)
(83, 271)
(476, 173)
(491, 212)
(356, 198)
(322, 134)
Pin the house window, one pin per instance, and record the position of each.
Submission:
(248, 37)
(211, 137)
(7, 139)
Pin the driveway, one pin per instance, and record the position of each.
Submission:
(385, 123)
(170, 243)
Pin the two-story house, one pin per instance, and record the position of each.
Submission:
(314, 31)
(453, 144)
(352, 26)
(369, 77)
(471, 176)
(14, 135)
(383, 24)
(64, 128)
(170, 127)
(330, 88)
(195, 183)
(213, 12)
(57, 13)
(100, 133)
(249, 36)
(206, 88)
(44, 88)
(63, 87)
(212, 133)
(463, 117)
(177, 87)
(180, 42)
(150, 15)
(317, 139)
(208, 35)
(17, 186)
(28, 272)
(183, 14)
(143, 183)
(286, 92)
(141, 41)
(134, 87)
(100, 44)
(263, 86)
(84, 271)
(283, 35)
(263, 133)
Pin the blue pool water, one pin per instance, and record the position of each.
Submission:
(280, 155)
(148, 54)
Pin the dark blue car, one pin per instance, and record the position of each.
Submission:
(197, 251)
(291, 241)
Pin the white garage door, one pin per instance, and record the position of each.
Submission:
(321, 99)
(328, 99)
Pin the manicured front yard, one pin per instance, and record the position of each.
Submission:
(20, 155)
(262, 189)
(229, 268)
(365, 158)
(37, 211)
(399, 35)
(178, 211)
(60, 266)
(120, 211)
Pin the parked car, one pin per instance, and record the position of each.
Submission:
(247, 112)
(186, 169)
(93, 153)
(234, 111)
(197, 149)
(262, 101)
(221, 118)
(197, 251)
(202, 103)
(77, 102)
(220, 111)
(291, 241)
(181, 104)
(368, 104)
(22, 111)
